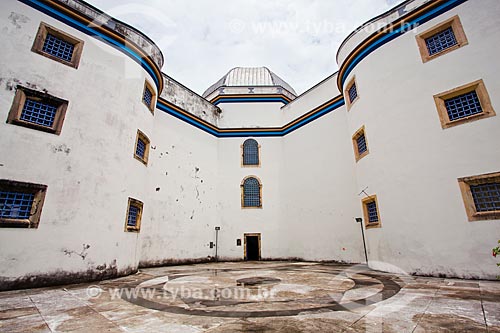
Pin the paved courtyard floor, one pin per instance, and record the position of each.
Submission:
(257, 297)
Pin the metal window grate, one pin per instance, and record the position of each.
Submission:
(39, 113)
(361, 143)
(141, 148)
(371, 208)
(250, 152)
(15, 205)
(148, 96)
(353, 93)
(251, 193)
(486, 197)
(58, 47)
(133, 213)
(441, 41)
(463, 106)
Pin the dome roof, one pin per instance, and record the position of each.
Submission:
(249, 77)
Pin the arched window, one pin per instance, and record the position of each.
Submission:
(251, 193)
(250, 152)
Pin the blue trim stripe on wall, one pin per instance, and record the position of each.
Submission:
(119, 45)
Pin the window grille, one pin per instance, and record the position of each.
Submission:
(371, 208)
(58, 47)
(361, 143)
(251, 193)
(250, 152)
(353, 93)
(486, 197)
(133, 212)
(463, 106)
(16, 205)
(441, 41)
(141, 148)
(38, 112)
(148, 96)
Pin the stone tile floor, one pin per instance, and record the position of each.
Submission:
(257, 297)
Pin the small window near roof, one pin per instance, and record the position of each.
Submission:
(360, 144)
(37, 110)
(20, 204)
(58, 45)
(464, 104)
(481, 196)
(134, 215)
(141, 151)
(250, 153)
(149, 97)
(251, 193)
(441, 39)
(351, 93)
(371, 212)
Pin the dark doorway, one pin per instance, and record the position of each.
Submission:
(252, 247)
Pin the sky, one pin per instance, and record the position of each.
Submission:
(202, 40)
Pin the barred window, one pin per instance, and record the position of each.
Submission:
(481, 196)
(442, 38)
(441, 41)
(20, 204)
(360, 144)
(371, 212)
(37, 110)
(141, 151)
(251, 193)
(463, 106)
(251, 153)
(58, 45)
(134, 215)
(148, 96)
(353, 93)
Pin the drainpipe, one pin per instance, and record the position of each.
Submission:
(360, 221)
(216, 242)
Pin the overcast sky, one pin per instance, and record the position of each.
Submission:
(202, 40)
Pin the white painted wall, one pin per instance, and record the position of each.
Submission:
(250, 115)
(89, 168)
(414, 164)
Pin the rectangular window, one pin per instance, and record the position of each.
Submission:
(149, 97)
(58, 45)
(20, 204)
(134, 214)
(371, 213)
(441, 39)
(351, 93)
(464, 104)
(141, 151)
(360, 144)
(37, 110)
(481, 196)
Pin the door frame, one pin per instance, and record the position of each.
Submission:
(245, 244)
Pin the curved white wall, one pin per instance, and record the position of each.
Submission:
(413, 164)
(89, 168)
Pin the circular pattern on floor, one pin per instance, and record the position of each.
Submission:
(266, 291)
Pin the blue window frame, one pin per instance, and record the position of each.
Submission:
(58, 47)
(361, 143)
(141, 148)
(39, 112)
(353, 93)
(372, 212)
(441, 41)
(16, 205)
(251, 193)
(463, 106)
(486, 197)
(250, 152)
